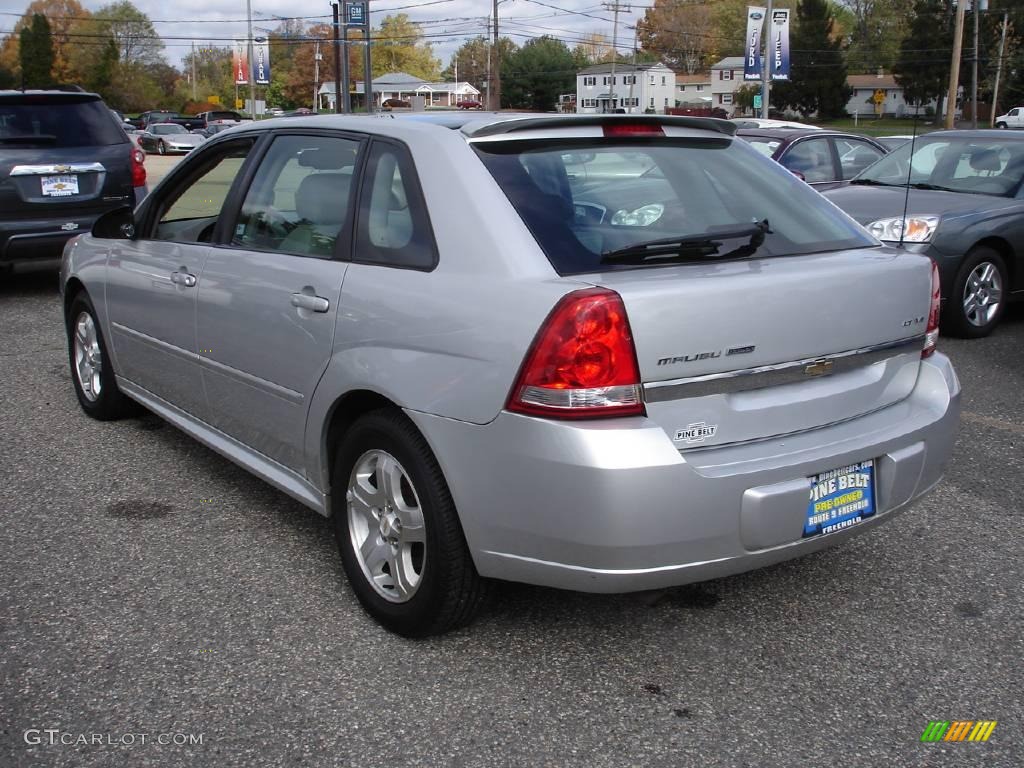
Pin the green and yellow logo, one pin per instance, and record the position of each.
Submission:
(958, 730)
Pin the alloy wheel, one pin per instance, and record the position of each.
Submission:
(983, 293)
(385, 523)
(88, 358)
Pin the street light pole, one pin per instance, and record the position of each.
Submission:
(251, 73)
(954, 67)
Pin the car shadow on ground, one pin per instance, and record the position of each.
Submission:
(31, 281)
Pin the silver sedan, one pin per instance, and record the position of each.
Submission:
(165, 138)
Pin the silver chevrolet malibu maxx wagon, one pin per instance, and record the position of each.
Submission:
(601, 353)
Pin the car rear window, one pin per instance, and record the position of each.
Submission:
(32, 120)
(583, 199)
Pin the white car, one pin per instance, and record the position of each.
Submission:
(757, 122)
(1012, 119)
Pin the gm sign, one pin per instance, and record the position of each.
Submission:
(355, 14)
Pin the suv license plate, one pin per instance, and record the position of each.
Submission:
(840, 498)
(60, 186)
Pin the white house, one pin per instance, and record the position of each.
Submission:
(726, 79)
(693, 90)
(636, 88)
(405, 87)
(892, 104)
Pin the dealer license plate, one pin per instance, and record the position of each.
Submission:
(60, 186)
(840, 498)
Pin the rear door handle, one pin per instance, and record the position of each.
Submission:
(184, 279)
(312, 303)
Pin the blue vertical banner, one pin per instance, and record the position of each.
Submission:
(261, 60)
(779, 44)
(752, 47)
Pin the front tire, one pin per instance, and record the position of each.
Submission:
(161, 147)
(91, 371)
(1001, 125)
(398, 532)
(977, 300)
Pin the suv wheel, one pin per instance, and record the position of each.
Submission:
(91, 372)
(398, 532)
(977, 301)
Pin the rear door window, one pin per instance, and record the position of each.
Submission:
(45, 121)
(584, 199)
(812, 159)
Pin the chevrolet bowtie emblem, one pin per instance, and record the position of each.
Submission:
(61, 169)
(819, 368)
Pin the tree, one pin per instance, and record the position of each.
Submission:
(536, 74)
(102, 76)
(62, 15)
(922, 67)
(683, 36)
(474, 57)
(36, 52)
(817, 81)
(399, 47)
(876, 29)
(743, 98)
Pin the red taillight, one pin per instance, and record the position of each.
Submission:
(138, 169)
(582, 363)
(632, 129)
(931, 336)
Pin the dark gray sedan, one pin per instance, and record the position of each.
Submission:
(964, 200)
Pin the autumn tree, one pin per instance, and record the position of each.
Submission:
(877, 27)
(35, 48)
(399, 46)
(62, 15)
(683, 36)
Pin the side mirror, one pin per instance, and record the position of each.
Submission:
(798, 175)
(118, 224)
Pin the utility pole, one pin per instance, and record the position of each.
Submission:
(252, 72)
(766, 58)
(368, 85)
(954, 67)
(999, 70)
(487, 80)
(974, 66)
(632, 82)
(193, 70)
(615, 6)
(496, 89)
(336, 6)
(316, 76)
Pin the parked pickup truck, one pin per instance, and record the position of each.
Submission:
(1012, 119)
(221, 117)
(147, 119)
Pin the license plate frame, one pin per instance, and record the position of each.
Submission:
(62, 185)
(840, 498)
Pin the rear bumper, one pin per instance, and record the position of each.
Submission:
(613, 506)
(29, 240)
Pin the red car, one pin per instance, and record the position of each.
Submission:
(469, 104)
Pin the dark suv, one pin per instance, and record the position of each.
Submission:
(64, 160)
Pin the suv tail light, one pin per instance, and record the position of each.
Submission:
(138, 169)
(931, 336)
(582, 363)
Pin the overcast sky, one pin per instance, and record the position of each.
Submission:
(446, 23)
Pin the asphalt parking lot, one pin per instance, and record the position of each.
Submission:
(151, 588)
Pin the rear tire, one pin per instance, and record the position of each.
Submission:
(977, 300)
(394, 516)
(91, 371)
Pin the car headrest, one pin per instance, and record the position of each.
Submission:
(328, 158)
(322, 198)
(985, 160)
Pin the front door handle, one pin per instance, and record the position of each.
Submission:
(312, 303)
(184, 279)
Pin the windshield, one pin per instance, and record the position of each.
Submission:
(960, 164)
(585, 198)
(164, 128)
(62, 122)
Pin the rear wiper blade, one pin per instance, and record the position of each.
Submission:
(43, 138)
(695, 247)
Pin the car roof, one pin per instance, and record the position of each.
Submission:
(78, 96)
(981, 133)
(488, 124)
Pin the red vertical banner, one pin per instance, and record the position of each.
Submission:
(240, 61)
